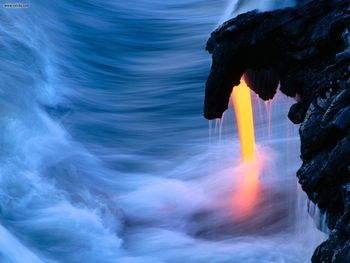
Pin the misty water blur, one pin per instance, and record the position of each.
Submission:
(105, 155)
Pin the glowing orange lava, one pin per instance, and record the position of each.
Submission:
(244, 116)
(246, 194)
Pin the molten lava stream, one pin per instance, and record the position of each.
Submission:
(244, 115)
(245, 196)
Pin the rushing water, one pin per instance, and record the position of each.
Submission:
(104, 151)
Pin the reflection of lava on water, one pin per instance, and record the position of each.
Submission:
(258, 204)
(267, 213)
(247, 192)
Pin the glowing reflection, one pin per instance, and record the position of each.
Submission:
(247, 191)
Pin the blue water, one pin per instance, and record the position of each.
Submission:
(104, 153)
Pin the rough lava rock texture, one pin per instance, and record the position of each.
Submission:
(306, 49)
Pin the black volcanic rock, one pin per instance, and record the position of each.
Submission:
(305, 49)
(297, 44)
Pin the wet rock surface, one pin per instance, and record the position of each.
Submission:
(307, 49)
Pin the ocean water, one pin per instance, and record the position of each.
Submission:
(104, 153)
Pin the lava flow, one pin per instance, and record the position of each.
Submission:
(248, 183)
(244, 116)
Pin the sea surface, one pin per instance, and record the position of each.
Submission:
(105, 156)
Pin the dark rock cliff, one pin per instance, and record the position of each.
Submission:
(305, 49)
